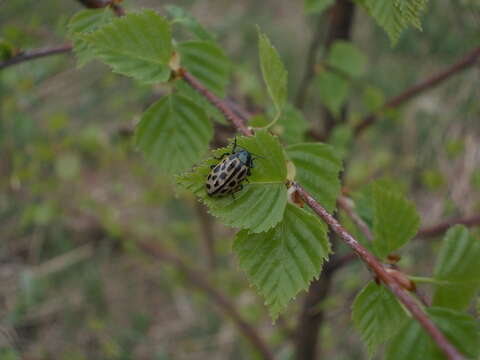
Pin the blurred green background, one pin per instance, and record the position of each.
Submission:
(75, 195)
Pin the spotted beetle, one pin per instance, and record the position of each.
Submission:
(227, 176)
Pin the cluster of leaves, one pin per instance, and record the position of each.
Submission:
(393, 16)
(378, 315)
(289, 243)
(280, 246)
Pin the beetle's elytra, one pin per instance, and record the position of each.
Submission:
(227, 176)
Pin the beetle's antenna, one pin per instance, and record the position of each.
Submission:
(234, 144)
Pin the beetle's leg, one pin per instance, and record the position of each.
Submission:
(234, 145)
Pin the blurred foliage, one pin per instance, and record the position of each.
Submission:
(71, 176)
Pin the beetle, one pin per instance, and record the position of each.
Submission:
(227, 176)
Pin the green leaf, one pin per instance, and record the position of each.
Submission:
(273, 71)
(396, 15)
(334, 90)
(283, 261)
(458, 266)
(317, 6)
(396, 220)
(85, 22)
(291, 126)
(207, 62)
(377, 315)
(261, 204)
(184, 18)
(347, 58)
(137, 45)
(174, 132)
(412, 343)
(317, 169)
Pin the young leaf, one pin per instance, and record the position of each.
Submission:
(181, 16)
(317, 6)
(317, 169)
(396, 15)
(273, 71)
(207, 62)
(395, 222)
(137, 45)
(412, 343)
(377, 315)
(261, 204)
(458, 266)
(85, 22)
(334, 90)
(347, 58)
(174, 132)
(283, 261)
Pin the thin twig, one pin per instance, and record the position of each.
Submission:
(36, 54)
(345, 204)
(464, 63)
(199, 280)
(217, 102)
(423, 233)
(374, 264)
(62, 49)
(440, 228)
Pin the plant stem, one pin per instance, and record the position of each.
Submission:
(464, 63)
(36, 54)
(374, 264)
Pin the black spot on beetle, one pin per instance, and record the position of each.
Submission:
(208, 186)
(216, 183)
(232, 165)
(223, 176)
(209, 176)
(241, 174)
(236, 170)
(216, 170)
(232, 183)
(214, 177)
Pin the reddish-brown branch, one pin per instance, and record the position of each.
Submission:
(379, 270)
(344, 203)
(426, 232)
(62, 49)
(217, 102)
(468, 60)
(35, 55)
(373, 263)
(199, 280)
(98, 4)
(440, 228)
